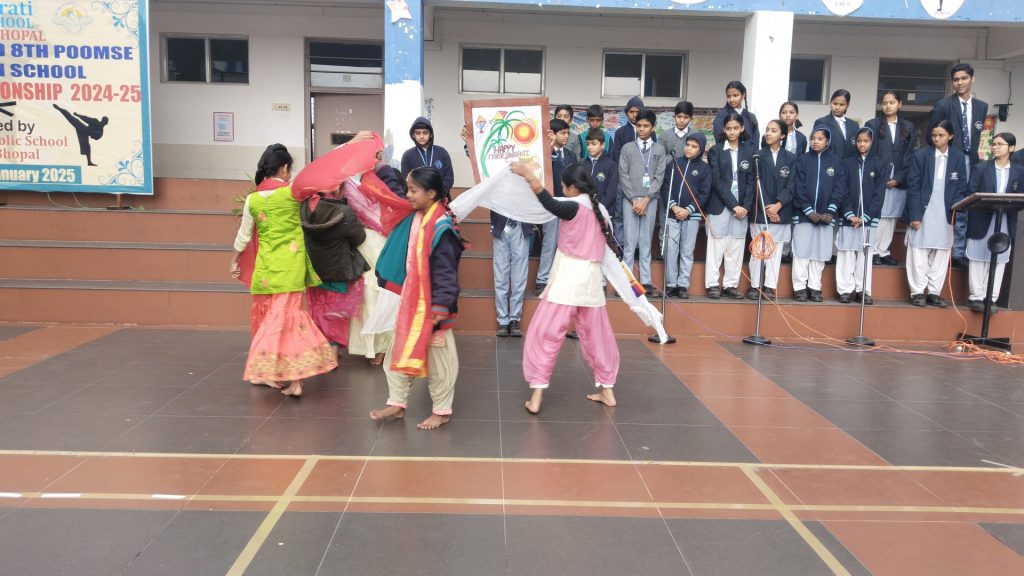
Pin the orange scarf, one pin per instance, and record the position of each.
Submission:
(414, 325)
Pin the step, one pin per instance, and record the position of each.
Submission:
(228, 304)
(41, 223)
(168, 194)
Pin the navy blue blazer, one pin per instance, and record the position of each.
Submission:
(560, 161)
(777, 181)
(605, 173)
(751, 131)
(822, 175)
(895, 157)
(921, 180)
(721, 197)
(949, 108)
(876, 174)
(983, 179)
(1018, 157)
(840, 147)
(692, 189)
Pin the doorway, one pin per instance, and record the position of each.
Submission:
(335, 118)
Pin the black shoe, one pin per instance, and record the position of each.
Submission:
(540, 289)
(918, 300)
(844, 298)
(714, 293)
(814, 295)
(671, 292)
(682, 293)
(976, 305)
(888, 261)
(936, 300)
(502, 331)
(733, 293)
(832, 261)
(651, 291)
(867, 300)
(769, 293)
(514, 330)
(960, 263)
(752, 294)
(572, 335)
(800, 295)
(787, 258)
(876, 260)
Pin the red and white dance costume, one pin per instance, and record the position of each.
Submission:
(574, 293)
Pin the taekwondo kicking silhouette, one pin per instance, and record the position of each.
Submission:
(85, 127)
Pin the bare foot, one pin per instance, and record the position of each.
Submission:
(605, 396)
(294, 390)
(389, 413)
(433, 422)
(533, 404)
(377, 360)
(270, 383)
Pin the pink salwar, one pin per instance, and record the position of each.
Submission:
(332, 311)
(286, 345)
(547, 332)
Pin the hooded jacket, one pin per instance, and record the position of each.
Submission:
(430, 155)
(871, 185)
(820, 185)
(690, 180)
(842, 147)
(626, 133)
(333, 233)
(720, 161)
(777, 182)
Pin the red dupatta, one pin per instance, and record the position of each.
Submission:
(414, 325)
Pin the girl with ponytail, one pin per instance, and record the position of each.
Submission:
(574, 292)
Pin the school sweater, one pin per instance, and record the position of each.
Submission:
(631, 170)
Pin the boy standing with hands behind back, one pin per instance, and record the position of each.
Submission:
(642, 166)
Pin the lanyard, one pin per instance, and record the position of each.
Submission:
(423, 156)
(647, 161)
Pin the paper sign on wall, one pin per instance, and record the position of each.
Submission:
(508, 129)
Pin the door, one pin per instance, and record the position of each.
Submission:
(335, 118)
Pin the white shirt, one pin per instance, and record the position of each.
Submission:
(1002, 177)
(940, 165)
(682, 133)
(643, 143)
(791, 141)
(841, 120)
(892, 130)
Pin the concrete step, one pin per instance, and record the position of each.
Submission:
(163, 226)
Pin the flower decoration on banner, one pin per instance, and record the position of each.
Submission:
(399, 10)
(130, 171)
(123, 14)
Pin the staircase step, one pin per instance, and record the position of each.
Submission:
(161, 226)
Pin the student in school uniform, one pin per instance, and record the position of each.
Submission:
(736, 102)
(690, 177)
(605, 174)
(774, 203)
(641, 168)
(511, 265)
(895, 141)
(560, 159)
(1001, 176)
(819, 190)
(626, 133)
(595, 120)
(841, 128)
(1017, 157)
(938, 179)
(674, 140)
(564, 113)
(865, 177)
(732, 183)
(425, 153)
(795, 142)
(967, 115)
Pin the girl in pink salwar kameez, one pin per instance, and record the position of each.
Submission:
(574, 292)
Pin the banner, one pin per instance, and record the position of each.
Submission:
(74, 96)
(508, 129)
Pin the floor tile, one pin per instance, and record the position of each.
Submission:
(33, 473)
(731, 547)
(133, 475)
(853, 487)
(765, 412)
(114, 400)
(594, 440)
(973, 489)
(250, 476)
(242, 400)
(959, 416)
(332, 478)
(66, 431)
(683, 443)
(1006, 445)
(719, 484)
(312, 436)
(197, 543)
(848, 560)
(210, 435)
(923, 447)
(680, 410)
(806, 446)
(424, 479)
(557, 407)
(296, 545)
(459, 438)
(573, 481)
(884, 415)
(733, 386)
(25, 399)
(1011, 535)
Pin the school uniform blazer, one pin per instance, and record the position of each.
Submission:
(559, 162)
(605, 173)
(777, 182)
(720, 161)
(895, 157)
(983, 179)
(921, 179)
(751, 130)
(949, 108)
(876, 174)
(697, 175)
(1018, 157)
(842, 148)
(822, 171)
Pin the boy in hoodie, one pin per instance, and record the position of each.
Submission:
(642, 165)
(691, 184)
(626, 133)
(424, 153)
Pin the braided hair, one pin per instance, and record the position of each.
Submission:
(274, 158)
(429, 178)
(577, 175)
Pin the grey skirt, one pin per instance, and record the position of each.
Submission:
(812, 242)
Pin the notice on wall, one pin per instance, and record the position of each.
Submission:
(74, 96)
(506, 130)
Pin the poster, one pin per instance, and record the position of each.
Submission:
(74, 96)
(508, 129)
(223, 127)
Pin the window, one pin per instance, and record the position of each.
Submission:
(214, 60)
(921, 83)
(648, 75)
(807, 79)
(346, 65)
(502, 70)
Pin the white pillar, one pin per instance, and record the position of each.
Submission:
(767, 49)
(403, 74)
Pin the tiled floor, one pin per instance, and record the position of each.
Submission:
(141, 451)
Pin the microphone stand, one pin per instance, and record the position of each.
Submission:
(756, 337)
(860, 339)
(664, 270)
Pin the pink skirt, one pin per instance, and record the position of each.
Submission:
(286, 344)
(332, 310)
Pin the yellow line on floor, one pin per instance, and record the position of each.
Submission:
(826, 556)
(261, 534)
(754, 465)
